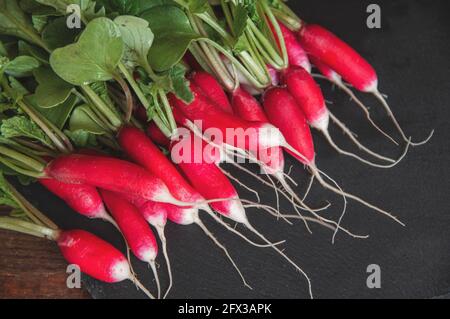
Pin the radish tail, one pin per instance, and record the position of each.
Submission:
(329, 226)
(380, 97)
(355, 141)
(250, 227)
(228, 227)
(311, 181)
(319, 178)
(364, 108)
(214, 239)
(140, 286)
(230, 176)
(266, 208)
(162, 237)
(326, 133)
(155, 273)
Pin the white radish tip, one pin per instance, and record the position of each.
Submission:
(322, 121)
(121, 271)
(237, 212)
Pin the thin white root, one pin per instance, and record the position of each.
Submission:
(250, 227)
(155, 273)
(267, 208)
(341, 151)
(380, 97)
(355, 141)
(214, 239)
(311, 181)
(140, 286)
(326, 225)
(236, 232)
(341, 217)
(162, 237)
(317, 173)
(230, 176)
(365, 109)
(289, 178)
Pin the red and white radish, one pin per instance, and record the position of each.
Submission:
(310, 98)
(336, 79)
(282, 110)
(345, 61)
(135, 230)
(84, 199)
(209, 180)
(212, 89)
(110, 174)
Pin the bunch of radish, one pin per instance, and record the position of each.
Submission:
(135, 129)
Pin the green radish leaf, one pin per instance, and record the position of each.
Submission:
(39, 22)
(82, 139)
(21, 126)
(195, 6)
(132, 7)
(88, 8)
(84, 119)
(19, 91)
(59, 114)
(94, 57)
(173, 35)
(138, 39)
(14, 22)
(57, 35)
(51, 90)
(180, 85)
(21, 66)
(36, 52)
(239, 21)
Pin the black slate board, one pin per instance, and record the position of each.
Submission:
(411, 54)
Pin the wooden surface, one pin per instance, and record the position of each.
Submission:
(33, 268)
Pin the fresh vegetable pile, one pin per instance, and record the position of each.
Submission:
(129, 117)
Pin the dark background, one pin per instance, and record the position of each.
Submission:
(411, 55)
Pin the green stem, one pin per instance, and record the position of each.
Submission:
(112, 117)
(278, 32)
(168, 110)
(26, 160)
(15, 224)
(142, 98)
(128, 97)
(31, 211)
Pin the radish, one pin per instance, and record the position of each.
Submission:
(135, 230)
(94, 256)
(282, 111)
(296, 53)
(142, 150)
(309, 97)
(208, 179)
(84, 199)
(110, 174)
(212, 89)
(157, 136)
(336, 79)
(346, 62)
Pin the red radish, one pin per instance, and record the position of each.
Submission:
(208, 179)
(259, 135)
(143, 151)
(282, 110)
(95, 257)
(157, 136)
(345, 61)
(212, 89)
(135, 230)
(336, 79)
(296, 53)
(309, 97)
(84, 199)
(110, 174)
